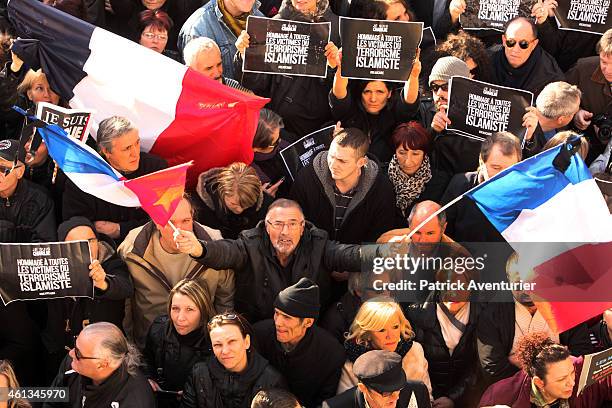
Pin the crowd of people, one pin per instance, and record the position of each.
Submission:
(260, 297)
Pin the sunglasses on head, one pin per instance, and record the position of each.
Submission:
(435, 87)
(524, 44)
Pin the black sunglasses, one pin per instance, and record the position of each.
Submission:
(435, 87)
(524, 44)
(79, 355)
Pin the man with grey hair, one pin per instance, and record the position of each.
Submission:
(101, 370)
(556, 106)
(119, 144)
(202, 54)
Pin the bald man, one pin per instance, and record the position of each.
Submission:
(102, 367)
(520, 62)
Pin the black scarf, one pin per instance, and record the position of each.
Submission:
(104, 394)
(506, 75)
(354, 350)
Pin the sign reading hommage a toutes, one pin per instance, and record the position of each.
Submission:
(590, 16)
(76, 122)
(493, 14)
(286, 47)
(300, 153)
(478, 109)
(377, 49)
(45, 271)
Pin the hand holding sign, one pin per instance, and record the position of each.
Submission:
(242, 43)
(98, 275)
(530, 121)
(331, 53)
(542, 10)
(440, 120)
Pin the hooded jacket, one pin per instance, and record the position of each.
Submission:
(152, 284)
(210, 385)
(374, 200)
(212, 212)
(259, 275)
(301, 101)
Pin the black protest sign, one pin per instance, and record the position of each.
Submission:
(45, 271)
(477, 109)
(493, 14)
(590, 16)
(595, 368)
(301, 153)
(286, 47)
(379, 50)
(76, 122)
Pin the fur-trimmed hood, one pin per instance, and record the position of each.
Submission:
(206, 189)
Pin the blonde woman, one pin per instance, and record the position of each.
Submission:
(232, 199)
(7, 381)
(380, 324)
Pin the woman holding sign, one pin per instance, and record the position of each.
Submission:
(375, 107)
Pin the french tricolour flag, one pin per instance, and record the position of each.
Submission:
(559, 224)
(181, 115)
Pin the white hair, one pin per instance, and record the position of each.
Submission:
(197, 46)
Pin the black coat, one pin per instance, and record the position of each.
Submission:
(539, 70)
(301, 101)
(495, 334)
(169, 357)
(351, 113)
(259, 276)
(312, 368)
(210, 385)
(423, 9)
(214, 214)
(77, 202)
(338, 318)
(566, 46)
(28, 215)
(354, 398)
(107, 306)
(129, 391)
(452, 376)
(374, 200)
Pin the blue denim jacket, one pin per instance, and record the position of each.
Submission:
(207, 21)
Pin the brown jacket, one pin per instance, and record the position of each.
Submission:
(596, 94)
(152, 284)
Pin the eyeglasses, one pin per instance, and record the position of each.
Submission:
(150, 36)
(435, 87)
(5, 170)
(524, 44)
(79, 355)
(291, 225)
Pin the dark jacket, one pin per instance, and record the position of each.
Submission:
(301, 101)
(351, 113)
(260, 277)
(10, 120)
(78, 202)
(539, 70)
(354, 398)
(126, 390)
(338, 318)
(516, 391)
(169, 356)
(423, 9)
(214, 214)
(566, 46)
(452, 376)
(28, 215)
(600, 337)
(210, 385)
(270, 167)
(374, 200)
(495, 334)
(312, 368)
(75, 313)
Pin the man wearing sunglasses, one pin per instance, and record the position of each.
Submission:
(382, 384)
(520, 63)
(101, 370)
(26, 211)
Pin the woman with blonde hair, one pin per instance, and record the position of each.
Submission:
(177, 340)
(8, 381)
(380, 324)
(232, 199)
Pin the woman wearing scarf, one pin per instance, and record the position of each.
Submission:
(380, 324)
(410, 169)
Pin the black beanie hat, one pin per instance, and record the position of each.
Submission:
(65, 227)
(299, 300)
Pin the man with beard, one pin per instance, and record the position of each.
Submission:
(272, 256)
(502, 325)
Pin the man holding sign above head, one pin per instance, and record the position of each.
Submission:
(521, 63)
(375, 107)
(300, 99)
